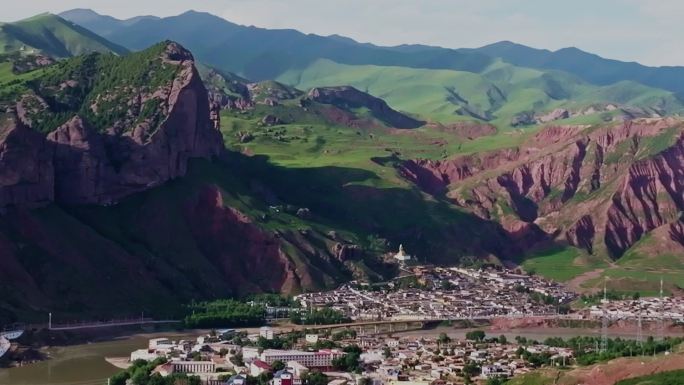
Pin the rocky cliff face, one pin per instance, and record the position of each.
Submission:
(26, 166)
(253, 259)
(650, 195)
(76, 163)
(600, 189)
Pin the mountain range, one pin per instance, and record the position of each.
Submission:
(208, 159)
(503, 83)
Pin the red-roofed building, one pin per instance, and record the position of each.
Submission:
(258, 367)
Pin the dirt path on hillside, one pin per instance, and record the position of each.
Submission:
(575, 284)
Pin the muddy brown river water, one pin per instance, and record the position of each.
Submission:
(80, 364)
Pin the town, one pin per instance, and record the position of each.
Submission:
(342, 350)
(446, 293)
(230, 357)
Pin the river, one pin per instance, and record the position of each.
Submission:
(80, 364)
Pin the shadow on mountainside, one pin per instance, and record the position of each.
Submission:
(215, 233)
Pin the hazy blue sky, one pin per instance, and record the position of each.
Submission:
(648, 31)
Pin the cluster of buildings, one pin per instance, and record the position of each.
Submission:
(427, 361)
(212, 357)
(452, 293)
(432, 293)
(648, 309)
(413, 360)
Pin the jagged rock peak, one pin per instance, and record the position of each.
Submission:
(176, 52)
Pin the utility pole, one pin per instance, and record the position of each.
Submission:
(661, 316)
(604, 321)
(49, 321)
(640, 337)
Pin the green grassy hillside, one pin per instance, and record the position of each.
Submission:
(496, 94)
(53, 36)
(94, 79)
(675, 377)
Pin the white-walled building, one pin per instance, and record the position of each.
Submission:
(266, 332)
(319, 359)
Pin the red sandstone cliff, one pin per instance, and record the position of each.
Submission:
(77, 164)
(593, 188)
(26, 166)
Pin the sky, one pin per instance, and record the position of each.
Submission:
(647, 31)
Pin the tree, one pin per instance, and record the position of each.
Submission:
(347, 363)
(443, 338)
(503, 340)
(314, 378)
(386, 352)
(140, 376)
(324, 316)
(475, 335)
(277, 365)
(365, 381)
(119, 378)
(237, 360)
(471, 369)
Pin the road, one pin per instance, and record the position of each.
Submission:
(109, 324)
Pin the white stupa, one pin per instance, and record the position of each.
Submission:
(401, 255)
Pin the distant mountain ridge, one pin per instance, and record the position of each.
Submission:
(92, 20)
(588, 66)
(54, 36)
(266, 53)
(505, 83)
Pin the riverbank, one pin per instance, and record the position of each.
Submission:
(85, 363)
(34, 345)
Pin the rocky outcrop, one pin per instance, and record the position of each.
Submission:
(251, 257)
(557, 114)
(270, 120)
(83, 172)
(345, 252)
(76, 164)
(436, 176)
(600, 188)
(624, 113)
(581, 234)
(26, 166)
(347, 97)
(465, 130)
(651, 195)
